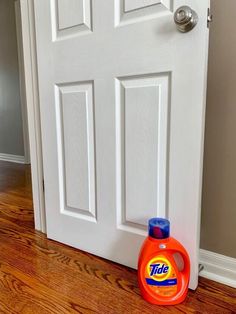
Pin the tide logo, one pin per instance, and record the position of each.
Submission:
(158, 268)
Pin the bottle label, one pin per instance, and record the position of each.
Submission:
(161, 277)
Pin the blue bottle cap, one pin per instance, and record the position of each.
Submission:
(159, 228)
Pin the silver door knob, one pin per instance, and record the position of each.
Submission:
(185, 19)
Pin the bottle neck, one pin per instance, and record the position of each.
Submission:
(159, 240)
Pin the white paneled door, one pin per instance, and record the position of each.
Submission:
(122, 101)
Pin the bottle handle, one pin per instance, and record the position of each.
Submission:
(185, 272)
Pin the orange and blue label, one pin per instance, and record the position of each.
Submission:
(160, 276)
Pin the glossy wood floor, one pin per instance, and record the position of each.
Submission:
(42, 276)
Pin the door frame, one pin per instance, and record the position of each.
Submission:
(29, 64)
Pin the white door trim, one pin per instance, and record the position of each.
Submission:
(33, 111)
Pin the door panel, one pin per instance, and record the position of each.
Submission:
(70, 19)
(132, 11)
(75, 120)
(122, 112)
(142, 127)
(130, 5)
(72, 16)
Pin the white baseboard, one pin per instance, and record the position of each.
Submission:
(218, 267)
(12, 158)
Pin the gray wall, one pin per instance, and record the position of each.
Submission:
(218, 232)
(11, 132)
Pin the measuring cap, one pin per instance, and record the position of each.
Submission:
(159, 228)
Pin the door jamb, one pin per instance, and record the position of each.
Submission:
(33, 110)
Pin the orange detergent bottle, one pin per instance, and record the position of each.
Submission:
(161, 280)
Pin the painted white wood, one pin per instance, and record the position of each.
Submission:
(13, 158)
(133, 11)
(138, 4)
(75, 119)
(163, 70)
(72, 17)
(218, 267)
(70, 20)
(142, 123)
(22, 83)
(33, 111)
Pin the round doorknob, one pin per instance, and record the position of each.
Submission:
(185, 19)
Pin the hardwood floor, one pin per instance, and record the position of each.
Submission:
(38, 275)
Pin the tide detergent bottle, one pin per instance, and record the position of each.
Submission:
(161, 280)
